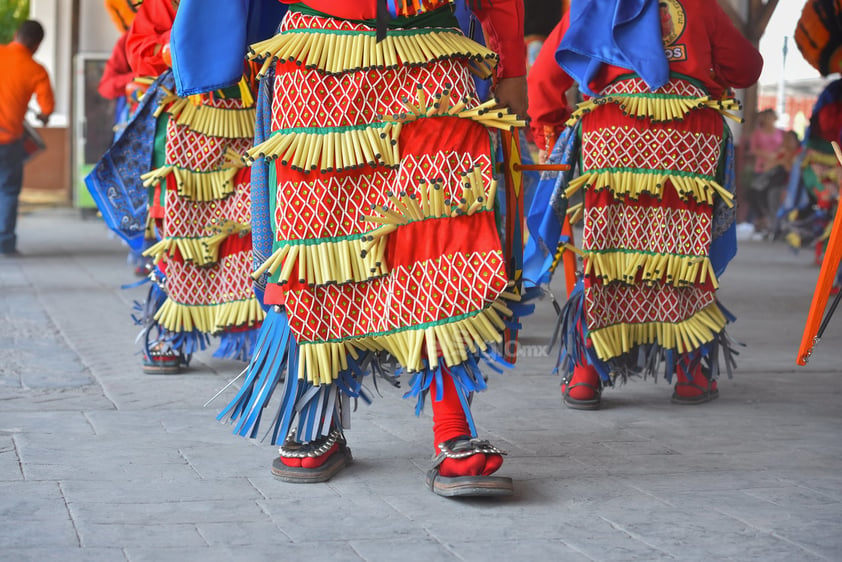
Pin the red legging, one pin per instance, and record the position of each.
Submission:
(448, 422)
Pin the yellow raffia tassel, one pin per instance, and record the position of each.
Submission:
(635, 183)
(329, 151)
(168, 98)
(658, 107)
(337, 53)
(238, 314)
(213, 121)
(220, 233)
(685, 336)
(194, 250)
(428, 202)
(210, 319)
(149, 228)
(245, 93)
(326, 263)
(680, 271)
(205, 186)
(452, 341)
(179, 317)
(576, 184)
(489, 113)
(576, 212)
(157, 175)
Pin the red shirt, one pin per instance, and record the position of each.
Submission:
(147, 36)
(502, 23)
(706, 46)
(117, 73)
(22, 77)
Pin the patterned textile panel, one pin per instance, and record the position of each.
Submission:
(206, 286)
(191, 219)
(647, 267)
(437, 269)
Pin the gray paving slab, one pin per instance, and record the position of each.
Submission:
(100, 462)
(327, 552)
(10, 468)
(65, 554)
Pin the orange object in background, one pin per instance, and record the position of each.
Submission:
(122, 12)
(832, 258)
(819, 35)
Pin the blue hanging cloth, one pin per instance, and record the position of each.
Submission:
(624, 33)
(114, 182)
(210, 38)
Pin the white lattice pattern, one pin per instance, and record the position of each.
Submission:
(310, 98)
(627, 225)
(675, 87)
(226, 281)
(656, 147)
(194, 151)
(619, 303)
(186, 218)
(330, 205)
(220, 102)
(297, 21)
(428, 291)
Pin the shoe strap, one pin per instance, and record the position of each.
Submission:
(294, 450)
(463, 447)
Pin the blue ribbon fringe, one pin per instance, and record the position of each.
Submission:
(317, 408)
(236, 345)
(571, 334)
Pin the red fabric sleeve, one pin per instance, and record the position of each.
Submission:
(736, 62)
(149, 32)
(117, 72)
(502, 24)
(548, 83)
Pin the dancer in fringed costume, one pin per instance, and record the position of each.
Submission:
(378, 226)
(198, 202)
(655, 163)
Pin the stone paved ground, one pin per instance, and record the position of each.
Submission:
(101, 462)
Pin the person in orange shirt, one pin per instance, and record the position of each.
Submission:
(22, 78)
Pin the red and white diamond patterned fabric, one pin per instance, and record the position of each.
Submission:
(441, 270)
(205, 292)
(648, 228)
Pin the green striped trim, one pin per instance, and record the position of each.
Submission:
(326, 130)
(645, 252)
(315, 241)
(357, 33)
(647, 171)
(212, 304)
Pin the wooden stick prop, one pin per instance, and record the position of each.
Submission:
(513, 249)
(568, 258)
(815, 326)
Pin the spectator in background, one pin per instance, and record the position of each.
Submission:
(22, 77)
(764, 195)
(765, 142)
